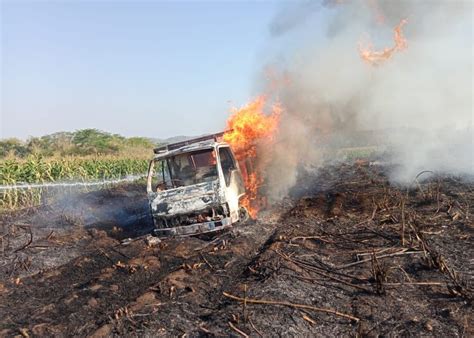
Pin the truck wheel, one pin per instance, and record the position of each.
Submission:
(243, 215)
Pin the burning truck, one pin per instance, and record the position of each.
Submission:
(195, 187)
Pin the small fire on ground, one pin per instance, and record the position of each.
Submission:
(250, 130)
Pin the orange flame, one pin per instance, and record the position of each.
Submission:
(249, 127)
(375, 58)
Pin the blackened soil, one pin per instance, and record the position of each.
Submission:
(349, 255)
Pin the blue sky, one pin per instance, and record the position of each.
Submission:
(151, 68)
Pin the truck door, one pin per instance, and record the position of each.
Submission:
(234, 185)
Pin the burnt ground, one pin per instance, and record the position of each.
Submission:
(349, 254)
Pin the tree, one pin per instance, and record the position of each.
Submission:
(89, 141)
(13, 147)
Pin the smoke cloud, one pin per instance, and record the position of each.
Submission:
(417, 104)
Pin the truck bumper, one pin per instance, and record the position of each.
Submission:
(194, 229)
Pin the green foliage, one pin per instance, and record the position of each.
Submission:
(85, 142)
(357, 152)
(93, 141)
(12, 147)
(36, 169)
(139, 142)
(83, 155)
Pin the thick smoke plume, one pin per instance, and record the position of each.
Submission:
(417, 104)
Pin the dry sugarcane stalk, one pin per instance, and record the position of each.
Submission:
(403, 221)
(315, 270)
(253, 326)
(243, 334)
(293, 305)
(400, 253)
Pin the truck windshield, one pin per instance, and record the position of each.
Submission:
(185, 169)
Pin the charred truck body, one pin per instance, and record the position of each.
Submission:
(195, 187)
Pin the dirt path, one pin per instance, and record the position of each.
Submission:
(333, 260)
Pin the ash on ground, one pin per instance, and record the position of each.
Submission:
(350, 254)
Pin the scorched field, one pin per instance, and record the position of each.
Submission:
(347, 255)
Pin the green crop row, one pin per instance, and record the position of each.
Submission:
(39, 170)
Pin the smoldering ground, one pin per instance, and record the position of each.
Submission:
(58, 230)
(119, 207)
(417, 104)
(311, 257)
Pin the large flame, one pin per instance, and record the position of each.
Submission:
(375, 58)
(249, 127)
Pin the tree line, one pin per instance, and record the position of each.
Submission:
(85, 142)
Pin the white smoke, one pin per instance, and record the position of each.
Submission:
(418, 103)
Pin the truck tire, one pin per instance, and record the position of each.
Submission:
(244, 215)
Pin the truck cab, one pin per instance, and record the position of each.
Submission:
(195, 187)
